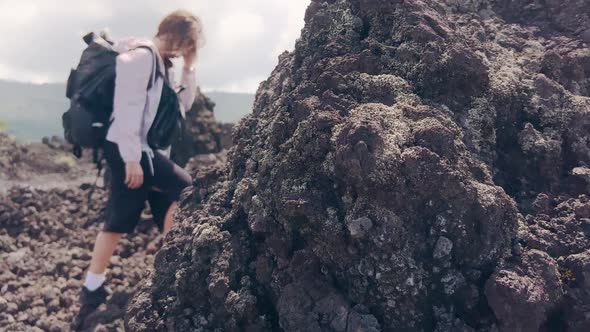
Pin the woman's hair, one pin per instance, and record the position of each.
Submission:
(181, 30)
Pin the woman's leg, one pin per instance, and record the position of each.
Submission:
(168, 182)
(104, 246)
(92, 293)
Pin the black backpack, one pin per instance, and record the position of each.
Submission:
(90, 89)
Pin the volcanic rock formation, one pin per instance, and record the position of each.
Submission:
(411, 166)
(201, 133)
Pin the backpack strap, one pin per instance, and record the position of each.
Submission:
(99, 167)
(155, 67)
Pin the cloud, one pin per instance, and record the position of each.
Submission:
(239, 86)
(238, 29)
(293, 23)
(23, 74)
(28, 11)
(41, 39)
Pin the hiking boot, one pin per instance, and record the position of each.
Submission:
(89, 301)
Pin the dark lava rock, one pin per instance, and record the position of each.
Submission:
(226, 135)
(411, 166)
(522, 295)
(201, 133)
(204, 163)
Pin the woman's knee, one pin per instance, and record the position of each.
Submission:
(185, 179)
(109, 235)
(188, 181)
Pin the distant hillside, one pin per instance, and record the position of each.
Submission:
(32, 111)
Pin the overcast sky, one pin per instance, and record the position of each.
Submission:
(41, 39)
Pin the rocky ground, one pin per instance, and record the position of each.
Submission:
(47, 230)
(48, 225)
(45, 164)
(411, 166)
(46, 237)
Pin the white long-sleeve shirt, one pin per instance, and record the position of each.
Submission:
(134, 106)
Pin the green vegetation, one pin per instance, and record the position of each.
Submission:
(65, 161)
(566, 275)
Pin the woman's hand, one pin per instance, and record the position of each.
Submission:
(133, 175)
(189, 58)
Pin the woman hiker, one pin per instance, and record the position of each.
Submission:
(138, 173)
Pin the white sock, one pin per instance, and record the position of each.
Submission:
(94, 280)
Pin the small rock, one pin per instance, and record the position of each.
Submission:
(53, 306)
(443, 247)
(100, 328)
(14, 259)
(12, 308)
(359, 227)
(55, 328)
(582, 172)
(6, 318)
(72, 284)
(76, 272)
(542, 203)
(22, 317)
(452, 281)
(3, 304)
(43, 324)
(582, 210)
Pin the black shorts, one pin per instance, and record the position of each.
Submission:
(125, 205)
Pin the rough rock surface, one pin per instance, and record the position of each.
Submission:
(201, 134)
(203, 163)
(226, 135)
(411, 166)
